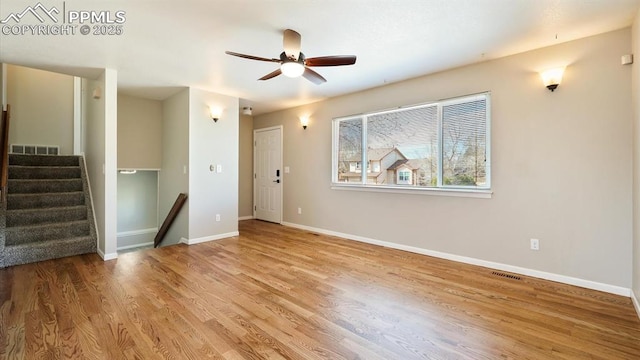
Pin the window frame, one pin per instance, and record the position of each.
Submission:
(440, 188)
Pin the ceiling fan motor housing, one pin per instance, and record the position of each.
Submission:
(284, 58)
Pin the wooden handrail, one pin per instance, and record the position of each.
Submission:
(4, 153)
(171, 216)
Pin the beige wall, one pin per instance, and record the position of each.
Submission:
(3, 86)
(137, 208)
(561, 166)
(175, 160)
(137, 201)
(636, 160)
(100, 139)
(245, 174)
(41, 108)
(212, 144)
(139, 133)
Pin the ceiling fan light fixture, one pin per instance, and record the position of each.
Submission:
(292, 69)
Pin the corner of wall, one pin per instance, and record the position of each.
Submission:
(635, 93)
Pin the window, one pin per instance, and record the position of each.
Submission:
(431, 146)
(404, 176)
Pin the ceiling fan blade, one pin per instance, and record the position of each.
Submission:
(336, 60)
(271, 74)
(291, 42)
(313, 76)
(251, 57)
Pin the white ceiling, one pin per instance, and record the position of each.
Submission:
(171, 44)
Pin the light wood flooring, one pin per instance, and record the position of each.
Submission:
(281, 293)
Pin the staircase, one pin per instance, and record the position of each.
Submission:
(48, 210)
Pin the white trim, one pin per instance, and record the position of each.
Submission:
(135, 246)
(140, 169)
(77, 115)
(208, 238)
(93, 208)
(137, 232)
(107, 257)
(242, 218)
(617, 290)
(636, 303)
(472, 193)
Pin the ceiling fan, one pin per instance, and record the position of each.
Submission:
(293, 63)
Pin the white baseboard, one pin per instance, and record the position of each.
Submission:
(137, 232)
(209, 238)
(241, 218)
(135, 246)
(617, 290)
(636, 303)
(107, 257)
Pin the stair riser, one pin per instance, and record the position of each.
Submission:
(42, 160)
(25, 235)
(44, 186)
(35, 217)
(44, 172)
(24, 254)
(23, 201)
(46, 214)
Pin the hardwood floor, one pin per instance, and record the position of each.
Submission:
(280, 293)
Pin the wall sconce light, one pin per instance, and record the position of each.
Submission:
(215, 113)
(304, 121)
(552, 78)
(128, 172)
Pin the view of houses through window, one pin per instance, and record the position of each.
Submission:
(442, 144)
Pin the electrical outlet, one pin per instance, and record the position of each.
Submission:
(535, 244)
(217, 217)
(299, 211)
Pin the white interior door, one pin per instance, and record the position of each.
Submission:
(267, 168)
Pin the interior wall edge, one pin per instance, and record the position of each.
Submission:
(107, 257)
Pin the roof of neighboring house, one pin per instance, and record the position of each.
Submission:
(397, 164)
(375, 154)
(413, 164)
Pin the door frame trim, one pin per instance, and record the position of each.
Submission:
(255, 145)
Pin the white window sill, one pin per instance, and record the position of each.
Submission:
(456, 192)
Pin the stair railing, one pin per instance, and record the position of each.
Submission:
(4, 153)
(175, 209)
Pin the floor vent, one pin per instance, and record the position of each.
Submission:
(514, 277)
(34, 149)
